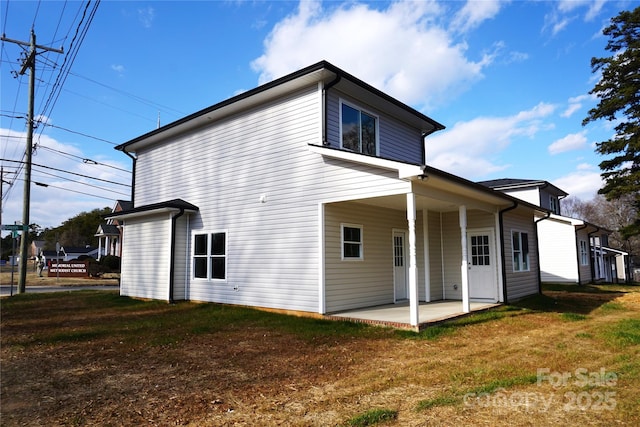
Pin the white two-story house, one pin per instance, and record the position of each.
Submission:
(311, 194)
(571, 250)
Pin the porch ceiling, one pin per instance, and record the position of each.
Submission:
(440, 195)
(399, 202)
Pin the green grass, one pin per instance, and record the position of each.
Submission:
(457, 397)
(572, 317)
(156, 322)
(443, 400)
(372, 417)
(624, 333)
(448, 327)
(503, 383)
(612, 306)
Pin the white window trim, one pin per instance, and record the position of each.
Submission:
(513, 267)
(361, 228)
(209, 256)
(363, 110)
(584, 252)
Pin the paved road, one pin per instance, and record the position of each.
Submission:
(5, 290)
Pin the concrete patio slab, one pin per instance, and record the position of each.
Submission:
(398, 316)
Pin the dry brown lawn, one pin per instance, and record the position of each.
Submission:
(94, 358)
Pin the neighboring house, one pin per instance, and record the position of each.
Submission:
(109, 233)
(71, 253)
(571, 250)
(310, 193)
(37, 246)
(537, 192)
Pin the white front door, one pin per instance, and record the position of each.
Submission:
(399, 266)
(482, 265)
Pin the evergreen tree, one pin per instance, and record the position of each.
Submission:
(618, 91)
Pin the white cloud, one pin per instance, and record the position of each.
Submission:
(146, 16)
(475, 13)
(567, 11)
(401, 50)
(62, 196)
(574, 141)
(582, 183)
(575, 103)
(593, 7)
(466, 148)
(118, 68)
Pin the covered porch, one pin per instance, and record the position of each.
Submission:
(398, 315)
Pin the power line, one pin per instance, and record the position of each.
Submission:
(83, 159)
(71, 173)
(41, 184)
(82, 183)
(72, 52)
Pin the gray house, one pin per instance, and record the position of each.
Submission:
(311, 194)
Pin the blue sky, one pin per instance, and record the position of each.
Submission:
(509, 80)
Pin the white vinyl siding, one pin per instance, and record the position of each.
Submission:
(558, 251)
(369, 282)
(584, 270)
(268, 201)
(181, 258)
(451, 235)
(145, 263)
(520, 283)
(436, 272)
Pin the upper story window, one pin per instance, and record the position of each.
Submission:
(554, 206)
(359, 130)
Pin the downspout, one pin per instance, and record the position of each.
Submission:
(174, 219)
(504, 268)
(593, 267)
(133, 174)
(538, 250)
(578, 252)
(325, 107)
(559, 205)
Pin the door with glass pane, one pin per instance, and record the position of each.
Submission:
(399, 266)
(482, 265)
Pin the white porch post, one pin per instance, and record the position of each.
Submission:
(413, 268)
(464, 267)
(99, 247)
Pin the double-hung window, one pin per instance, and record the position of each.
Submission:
(520, 249)
(210, 256)
(359, 130)
(584, 253)
(351, 242)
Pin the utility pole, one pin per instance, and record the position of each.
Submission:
(30, 64)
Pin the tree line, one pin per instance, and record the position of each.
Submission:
(78, 231)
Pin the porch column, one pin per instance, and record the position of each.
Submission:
(464, 267)
(99, 247)
(413, 268)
